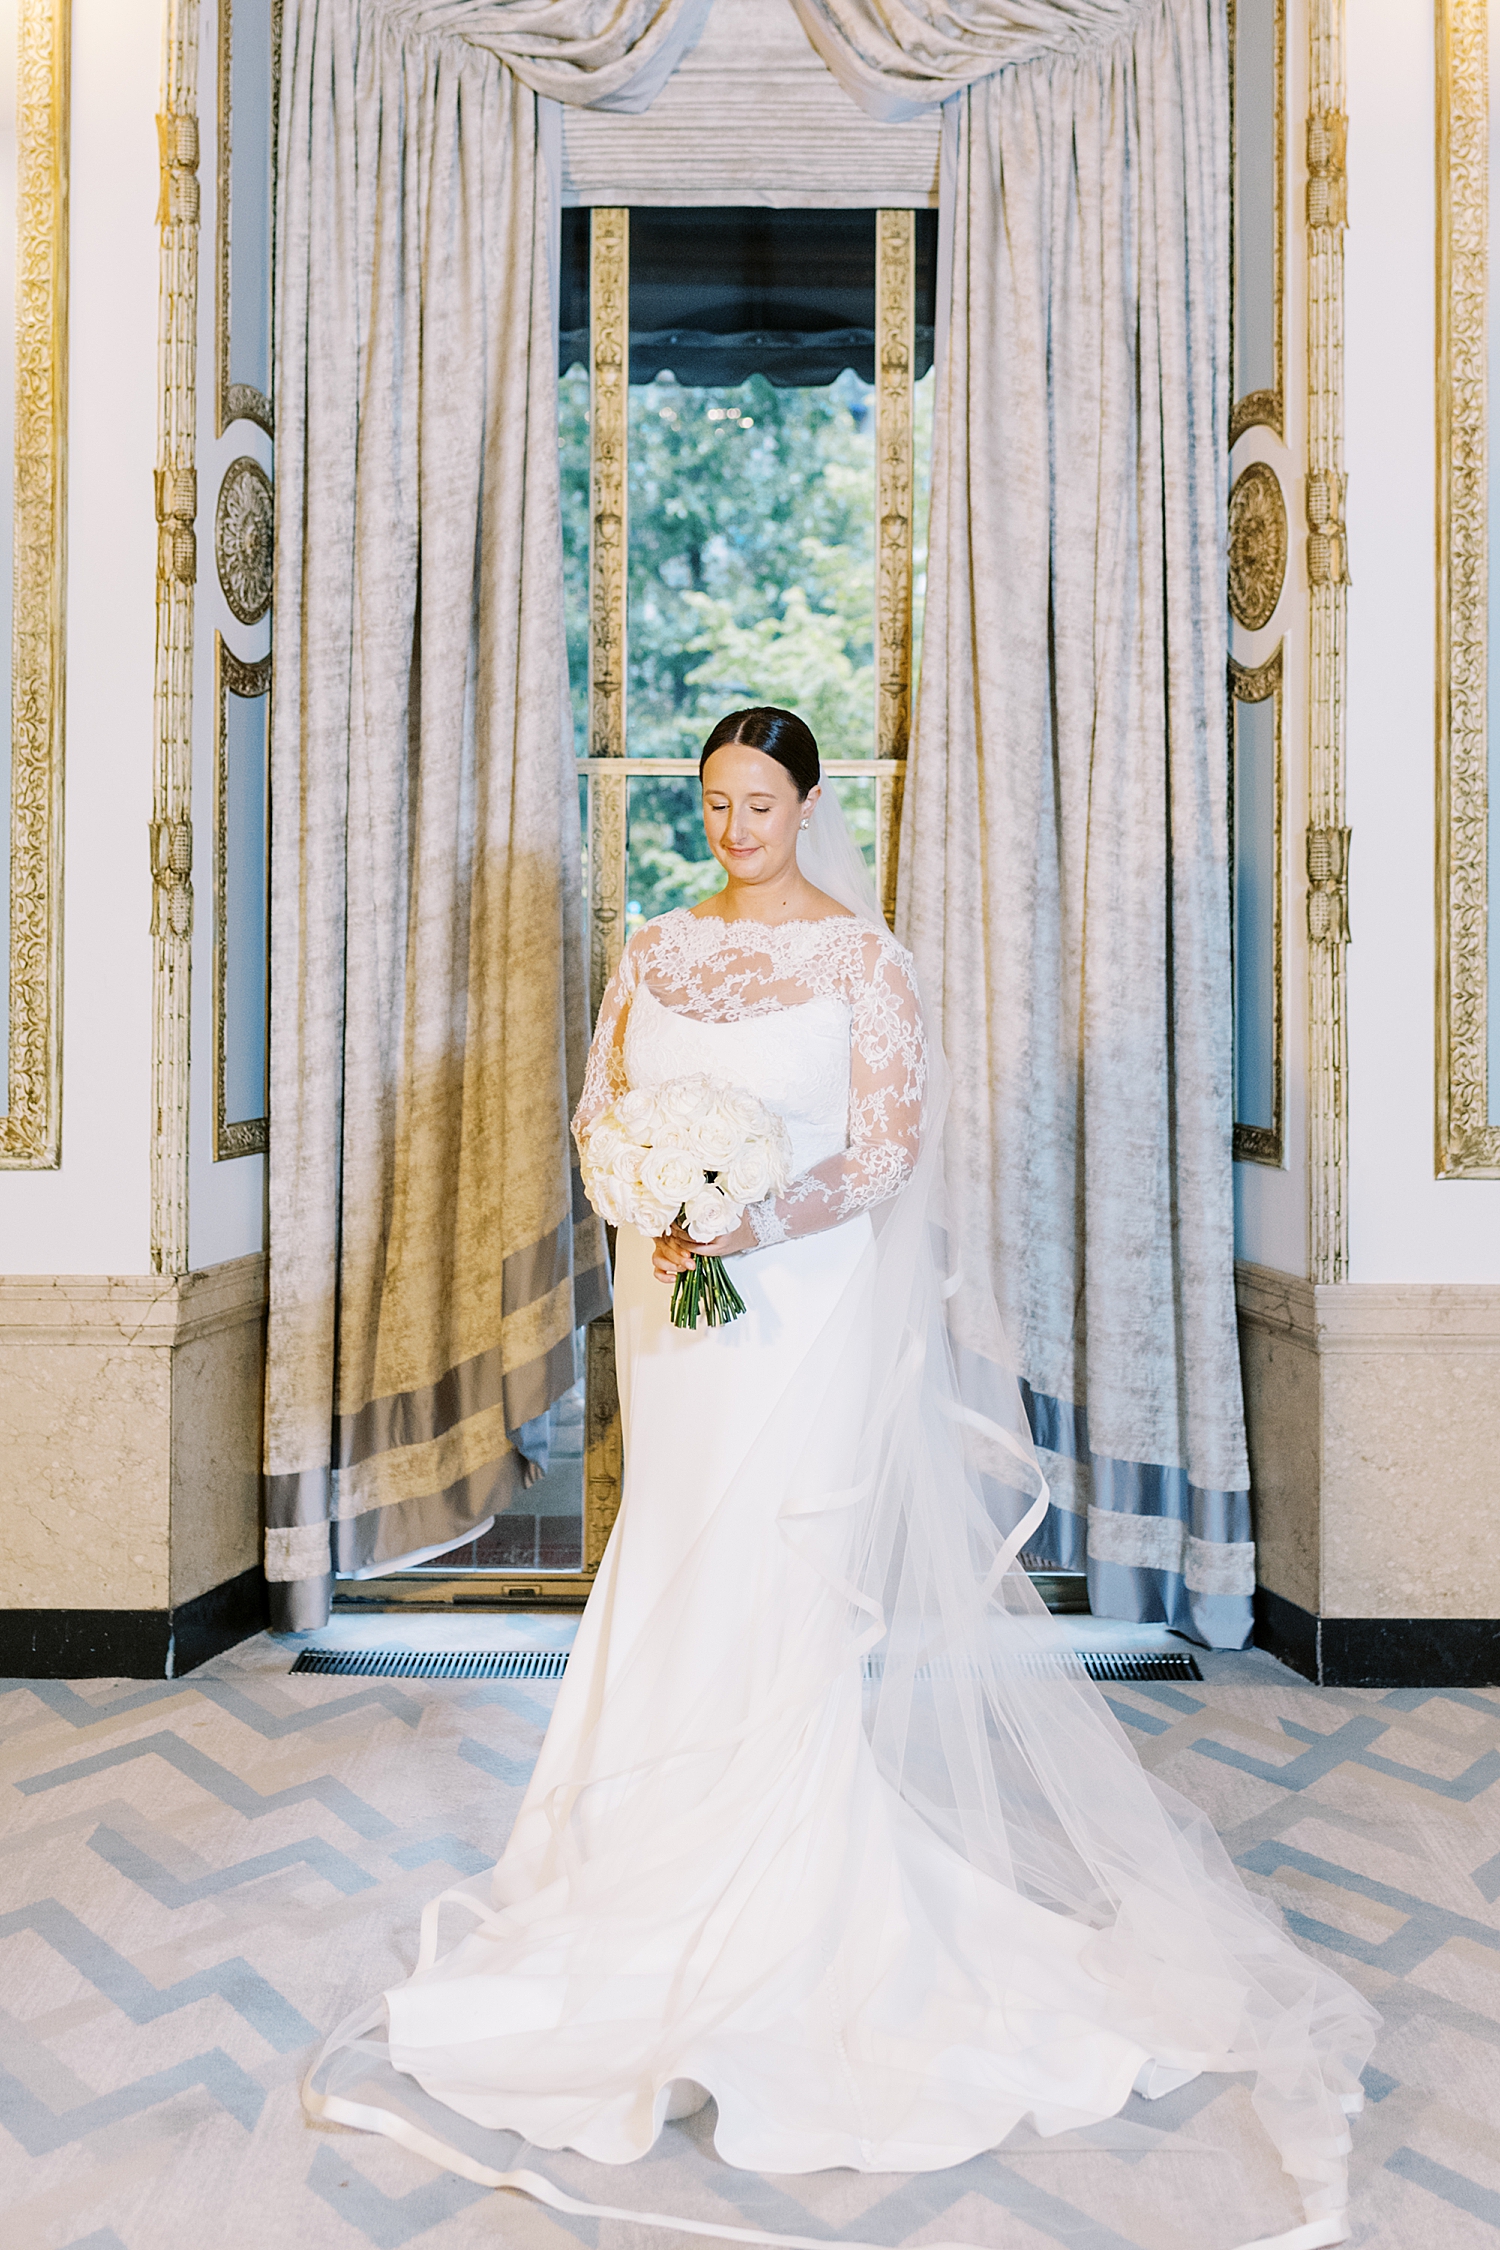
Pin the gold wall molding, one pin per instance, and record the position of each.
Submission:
(31, 1129)
(1266, 409)
(233, 1136)
(895, 354)
(233, 402)
(1467, 1141)
(176, 573)
(1257, 546)
(1266, 1144)
(1328, 1029)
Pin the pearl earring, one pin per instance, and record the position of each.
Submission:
(804, 823)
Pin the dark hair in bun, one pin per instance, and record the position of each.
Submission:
(780, 734)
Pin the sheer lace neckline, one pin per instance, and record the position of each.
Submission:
(793, 921)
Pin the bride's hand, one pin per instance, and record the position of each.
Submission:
(673, 1252)
(744, 1237)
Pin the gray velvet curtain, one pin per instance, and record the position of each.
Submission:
(431, 1256)
(1064, 852)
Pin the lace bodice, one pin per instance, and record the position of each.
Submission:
(820, 1019)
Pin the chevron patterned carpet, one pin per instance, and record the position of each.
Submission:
(199, 1876)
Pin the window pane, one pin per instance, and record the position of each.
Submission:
(667, 859)
(752, 560)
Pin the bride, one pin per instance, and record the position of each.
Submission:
(829, 1826)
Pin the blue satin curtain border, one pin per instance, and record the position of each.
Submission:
(1135, 1594)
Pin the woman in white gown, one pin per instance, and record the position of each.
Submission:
(827, 1826)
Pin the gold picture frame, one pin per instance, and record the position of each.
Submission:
(31, 1128)
(1467, 1142)
(1266, 1144)
(240, 1136)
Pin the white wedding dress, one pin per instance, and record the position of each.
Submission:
(824, 1827)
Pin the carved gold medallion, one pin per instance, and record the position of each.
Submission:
(1257, 546)
(242, 539)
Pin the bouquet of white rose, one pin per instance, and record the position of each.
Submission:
(694, 1150)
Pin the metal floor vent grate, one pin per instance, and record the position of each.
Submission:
(551, 1663)
(1101, 1665)
(436, 1664)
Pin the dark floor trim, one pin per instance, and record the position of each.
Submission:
(219, 1619)
(1287, 1632)
(1379, 1652)
(131, 1644)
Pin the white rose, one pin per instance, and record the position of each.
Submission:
(670, 1174)
(609, 1196)
(653, 1218)
(624, 1161)
(714, 1138)
(635, 1113)
(681, 1101)
(743, 1109)
(747, 1176)
(600, 1144)
(710, 1214)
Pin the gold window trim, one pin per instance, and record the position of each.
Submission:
(1266, 1144)
(238, 1136)
(1467, 1142)
(1267, 409)
(31, 1129)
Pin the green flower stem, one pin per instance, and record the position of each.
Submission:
(705, 1288)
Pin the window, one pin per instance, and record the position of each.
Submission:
(744, 414)
(745, 397)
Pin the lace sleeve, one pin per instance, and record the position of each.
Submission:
(604, 1077)
(887, 1079)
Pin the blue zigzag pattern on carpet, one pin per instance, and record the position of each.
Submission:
(41, 2131)
(221, 1783)
(138, 1867)
(234, 1981)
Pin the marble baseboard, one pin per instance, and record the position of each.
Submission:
(130, 1438)
(1374, 1421)
(132, 1644)
(1380, 1652)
